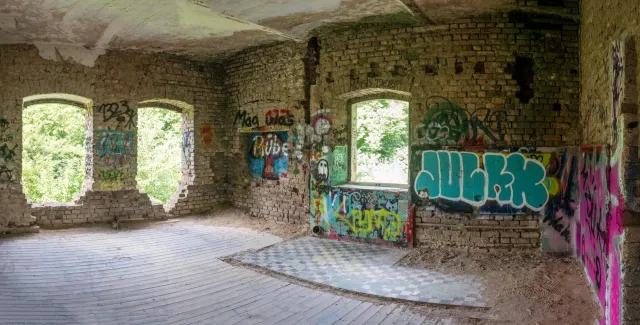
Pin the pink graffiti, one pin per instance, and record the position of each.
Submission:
(601, 207)
(615, 231)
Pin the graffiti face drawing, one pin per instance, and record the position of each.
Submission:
(323, 170)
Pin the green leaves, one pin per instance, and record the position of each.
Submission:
(159, 152)
(382, 141)
(53, 156)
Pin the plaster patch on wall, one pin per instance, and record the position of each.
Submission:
(73, 53)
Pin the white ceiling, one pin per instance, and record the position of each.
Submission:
(83, 29)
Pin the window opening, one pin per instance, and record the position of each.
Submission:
(53, 154)
(380, 133)
(159, 152)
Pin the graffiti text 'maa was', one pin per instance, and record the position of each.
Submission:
(272, 117)
(457, 176)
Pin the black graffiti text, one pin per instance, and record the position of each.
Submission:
(245, 120)
(119, 111)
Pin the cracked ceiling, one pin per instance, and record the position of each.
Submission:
(81, 30)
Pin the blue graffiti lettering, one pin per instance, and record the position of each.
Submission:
(457, 176)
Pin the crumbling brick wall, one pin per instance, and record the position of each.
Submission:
(514, 74)
(609, 120)
(114, 86)
(514, 77)
(261, 84)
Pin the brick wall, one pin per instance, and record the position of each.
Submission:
(513, 77)
(609, 108)
(480, 233)
(258, 82)
(118, 78)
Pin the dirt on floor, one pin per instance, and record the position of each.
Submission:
(224, 217)
(523, 287)
(238, 218)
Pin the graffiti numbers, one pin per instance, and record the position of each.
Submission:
(120, 111)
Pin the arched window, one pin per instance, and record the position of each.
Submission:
(54, 147)
(159, 152)
(165, 149)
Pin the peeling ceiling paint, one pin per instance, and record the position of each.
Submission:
(81, 30)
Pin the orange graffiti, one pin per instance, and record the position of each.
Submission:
(206, 133)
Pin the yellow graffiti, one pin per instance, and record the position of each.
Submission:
(320, 207)
(363, 225)
(552, 185)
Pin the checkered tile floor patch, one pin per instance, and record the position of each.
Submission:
(366, 269)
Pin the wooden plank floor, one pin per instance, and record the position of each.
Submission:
(169, 274)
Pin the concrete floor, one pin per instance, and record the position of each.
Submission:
(169, 274)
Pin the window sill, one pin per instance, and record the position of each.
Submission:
(371, 187)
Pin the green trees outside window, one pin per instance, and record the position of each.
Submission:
(382, 141)
(159, 152)
(53, 155)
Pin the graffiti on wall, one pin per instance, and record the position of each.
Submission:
(115, 150)
(446, 123)
(503, 181)
(299, 142)
(511, 179)
(601, 227)
(112, 179)
(278, 117)
(340, 165)
(617, 62)
(206, 135)
(559, 217)
(268, 155)
(371, 214)
(115, 142)
(120, 112)
(187, 146)
(274, 120)
(360, 213)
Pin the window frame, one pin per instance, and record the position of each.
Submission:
(352, 152)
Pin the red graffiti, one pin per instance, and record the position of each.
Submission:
(278, 117)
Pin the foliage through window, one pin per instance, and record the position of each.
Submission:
(159, 152)
(381, 139)
(53, 154)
